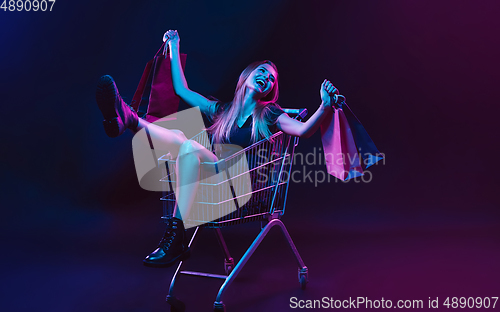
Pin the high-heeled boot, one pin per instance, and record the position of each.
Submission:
(172, 247)
(117, 114)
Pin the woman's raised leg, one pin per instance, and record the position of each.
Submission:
(165, 139)
(118, 116)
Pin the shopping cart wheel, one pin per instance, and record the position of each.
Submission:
(175, 304)
(303, 278)
(219, 307)
(228, 266)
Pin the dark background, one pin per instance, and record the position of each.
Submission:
(422, 76)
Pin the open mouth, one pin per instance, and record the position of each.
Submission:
(261, 83)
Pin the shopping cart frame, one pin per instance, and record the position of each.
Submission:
(270, 197)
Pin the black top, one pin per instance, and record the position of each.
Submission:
(242, 136)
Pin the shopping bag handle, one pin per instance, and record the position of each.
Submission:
(161, 49)
(339, 101)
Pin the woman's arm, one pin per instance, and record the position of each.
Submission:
(306, 129)
(179, 80)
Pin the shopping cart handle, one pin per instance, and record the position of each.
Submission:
(300, 112)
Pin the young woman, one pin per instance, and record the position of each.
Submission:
(251, 115)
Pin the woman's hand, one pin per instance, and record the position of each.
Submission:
(171, 37)
(326, 92)
(330, 95)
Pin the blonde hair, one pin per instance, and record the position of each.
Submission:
(225, 121)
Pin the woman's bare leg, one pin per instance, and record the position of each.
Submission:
(188, 169)
(189, 154)
(167, 139)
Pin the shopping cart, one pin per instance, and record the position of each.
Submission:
(249, 185)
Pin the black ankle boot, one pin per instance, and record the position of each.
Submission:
(172, 247)
(117, 114)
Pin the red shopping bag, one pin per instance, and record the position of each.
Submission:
(155, 89)
(347, 147)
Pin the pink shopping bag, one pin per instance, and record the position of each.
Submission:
(346, 145)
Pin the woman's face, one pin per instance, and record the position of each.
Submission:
(262, 79)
